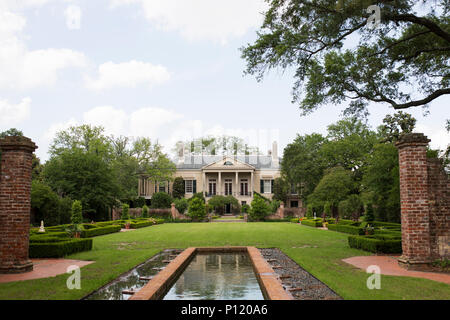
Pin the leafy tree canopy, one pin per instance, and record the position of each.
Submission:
(11, 132)
(219, 145)
(338, 57)
(393, 126)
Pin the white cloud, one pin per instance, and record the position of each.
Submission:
(11, 114)
(113, 120)
(73, 17)
(440, 138)
(128, 74)
(215, 20)
(24, 69)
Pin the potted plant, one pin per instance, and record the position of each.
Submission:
(127, 225)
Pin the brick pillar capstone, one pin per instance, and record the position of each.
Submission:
(414, 200)
(15, 203)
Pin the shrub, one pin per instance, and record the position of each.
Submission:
(295, 220)
(317, 223)
(259, 209)
(125, 212)
(369, 215)
(371, 244)
(274, 205)
(178, 188)
(138, 202)
(144, 211)
(309, 211)
(245, 208)
(77, 215)
(59, 249)
(196, 209)
(181, 205)
(93, 232)
(161, 200)
(344, 228)
(137, 225)
(217, 203)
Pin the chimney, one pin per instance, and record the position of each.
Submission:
(180, 152)
(275, 159)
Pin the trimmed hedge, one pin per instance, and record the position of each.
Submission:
(43, 239)
(313, 223)
(137, 225)
(59, 249)
(371, 244)
(346, 229)
(93, 232)
(295, 220)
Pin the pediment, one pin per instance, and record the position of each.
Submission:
(228, 163)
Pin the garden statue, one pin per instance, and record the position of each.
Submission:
(314, 215)
(42, 229)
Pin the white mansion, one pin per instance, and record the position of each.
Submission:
(239, 176)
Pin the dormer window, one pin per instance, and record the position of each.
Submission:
(228, 163)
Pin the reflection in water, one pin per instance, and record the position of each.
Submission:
(217, 276)
(131, 281)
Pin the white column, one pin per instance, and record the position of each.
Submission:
(204, 182)
(220, 184)
(237, 184)
(251, 183)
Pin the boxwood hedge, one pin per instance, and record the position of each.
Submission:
(100, 231)
(346, 229)
(371, 244)
(317, 223)
(59, 249)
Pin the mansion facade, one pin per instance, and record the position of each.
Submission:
(238, 176)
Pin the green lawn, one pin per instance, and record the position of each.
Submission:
(318, 251)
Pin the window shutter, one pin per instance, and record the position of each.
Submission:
(261, 186)
(194, 187)
(271, 187)
(184, 186)
(168, 187)
(156, 186)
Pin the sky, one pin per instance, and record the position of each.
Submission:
(169, 70)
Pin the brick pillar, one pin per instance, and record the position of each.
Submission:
(15, 198)
(414, 200)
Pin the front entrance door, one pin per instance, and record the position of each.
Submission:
(228, 208)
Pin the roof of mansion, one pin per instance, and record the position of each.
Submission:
(197, 162)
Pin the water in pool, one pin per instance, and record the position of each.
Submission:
(217, 276)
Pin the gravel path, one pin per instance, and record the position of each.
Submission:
(300, 283)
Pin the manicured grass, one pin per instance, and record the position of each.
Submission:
(318, 251)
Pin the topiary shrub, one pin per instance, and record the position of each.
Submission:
(145, 212)
(369, 215)
(77, 215)
(125, 212)
(53, 249)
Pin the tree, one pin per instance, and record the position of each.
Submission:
(381, 184)
(334, 187)
(393, 126)
(11, 133)
(48, 206)
(349, 141)
(178, 188)
(281, 189)
(217, 203)
(161, 200)
(302, 163)
(259, 209)
(197, 209)
(351, 207)
(403, 62)
(369, 216)
(83, 176)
